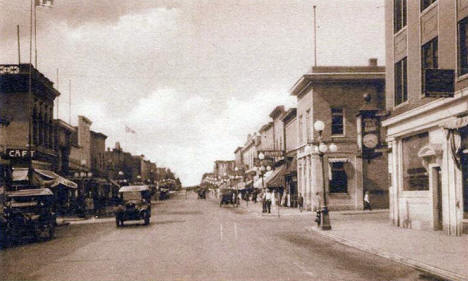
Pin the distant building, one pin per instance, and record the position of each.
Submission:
(289, 120)
(224, 168)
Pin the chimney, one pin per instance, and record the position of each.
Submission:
(372, 62)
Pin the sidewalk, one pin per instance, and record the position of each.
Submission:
(429, 251)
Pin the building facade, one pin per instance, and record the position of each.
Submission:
(334, 95)
(26, 117)
(428, 134)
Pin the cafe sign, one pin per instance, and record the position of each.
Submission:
(20, 153)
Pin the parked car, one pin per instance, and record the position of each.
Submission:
(28, 214)
(229, 196)
(135, 204)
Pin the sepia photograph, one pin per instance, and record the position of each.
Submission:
(234, 140)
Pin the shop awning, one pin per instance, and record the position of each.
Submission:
(276, 179)
(58, 180)
(46, 177)
(258, 182)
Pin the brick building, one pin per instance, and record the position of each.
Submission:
(26, 117)
(334, 95)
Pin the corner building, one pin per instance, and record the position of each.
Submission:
(334, 95)
(428, 136)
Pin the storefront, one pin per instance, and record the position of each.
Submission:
(429, 166)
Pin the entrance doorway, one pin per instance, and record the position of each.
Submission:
(464, 164)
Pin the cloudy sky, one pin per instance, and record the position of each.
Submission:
(192, 78)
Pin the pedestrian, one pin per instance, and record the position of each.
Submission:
(367, 205)
(317, 207)
(300, 202)
(268, 198)
(263, 199)
(89, 206)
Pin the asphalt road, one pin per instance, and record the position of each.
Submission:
(190, 239)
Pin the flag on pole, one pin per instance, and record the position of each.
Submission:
(129, 130)
(44, 3)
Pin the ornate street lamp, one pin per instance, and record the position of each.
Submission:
(321, 149)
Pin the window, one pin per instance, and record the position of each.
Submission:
(426, 3)
(429, 58)
(300, 128)
(399, 17)
(401, 82)
(415, 176)
(339, 180)
(463, 46)
(308, 125)
(337, 126)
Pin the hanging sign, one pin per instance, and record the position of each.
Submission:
(439, 83)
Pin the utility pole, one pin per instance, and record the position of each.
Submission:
(30, 99)
(19, 49)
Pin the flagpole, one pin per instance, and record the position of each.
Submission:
(69, 102)
(315, 36)
(58, 89)
(35, 38)
(30, 94)
(19, 49)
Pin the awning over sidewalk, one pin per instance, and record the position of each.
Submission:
(276, 179)
(258, 182)
(46, 177)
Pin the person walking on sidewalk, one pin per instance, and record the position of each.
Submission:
(268, 198)
(367, 205)
(317, 207)
(300, 202)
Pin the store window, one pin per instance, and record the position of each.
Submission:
(337, 126)
(426, 3)
(339, 180)
(429, 57)
(401, 82)
(399, 17)
(463, 46)
(415, 176)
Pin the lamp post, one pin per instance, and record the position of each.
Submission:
(322, 148)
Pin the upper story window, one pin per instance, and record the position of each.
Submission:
(429, 57)
(337, 125)
(307, 124)
(300, 129)
(463, 46)
(399, 15)
(401, 82)
(426, 3)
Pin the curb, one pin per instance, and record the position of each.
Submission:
(394, 257)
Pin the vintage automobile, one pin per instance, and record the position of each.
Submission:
(229, 196)
(135, 204)
(28, 214)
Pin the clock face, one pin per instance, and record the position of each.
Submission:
(370, 140)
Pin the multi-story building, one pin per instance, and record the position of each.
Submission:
(26, 114)
(249, 152)
(427, 131)
(238, 157)
(224, 168)
(63, 143)
(98, 149)
(334, 95)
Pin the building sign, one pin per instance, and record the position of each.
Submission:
(271, 153)
(19, 153)
(439, 83)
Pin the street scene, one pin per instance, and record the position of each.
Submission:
(191, 239)
(234, 140)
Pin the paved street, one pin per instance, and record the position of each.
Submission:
(191, 239)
